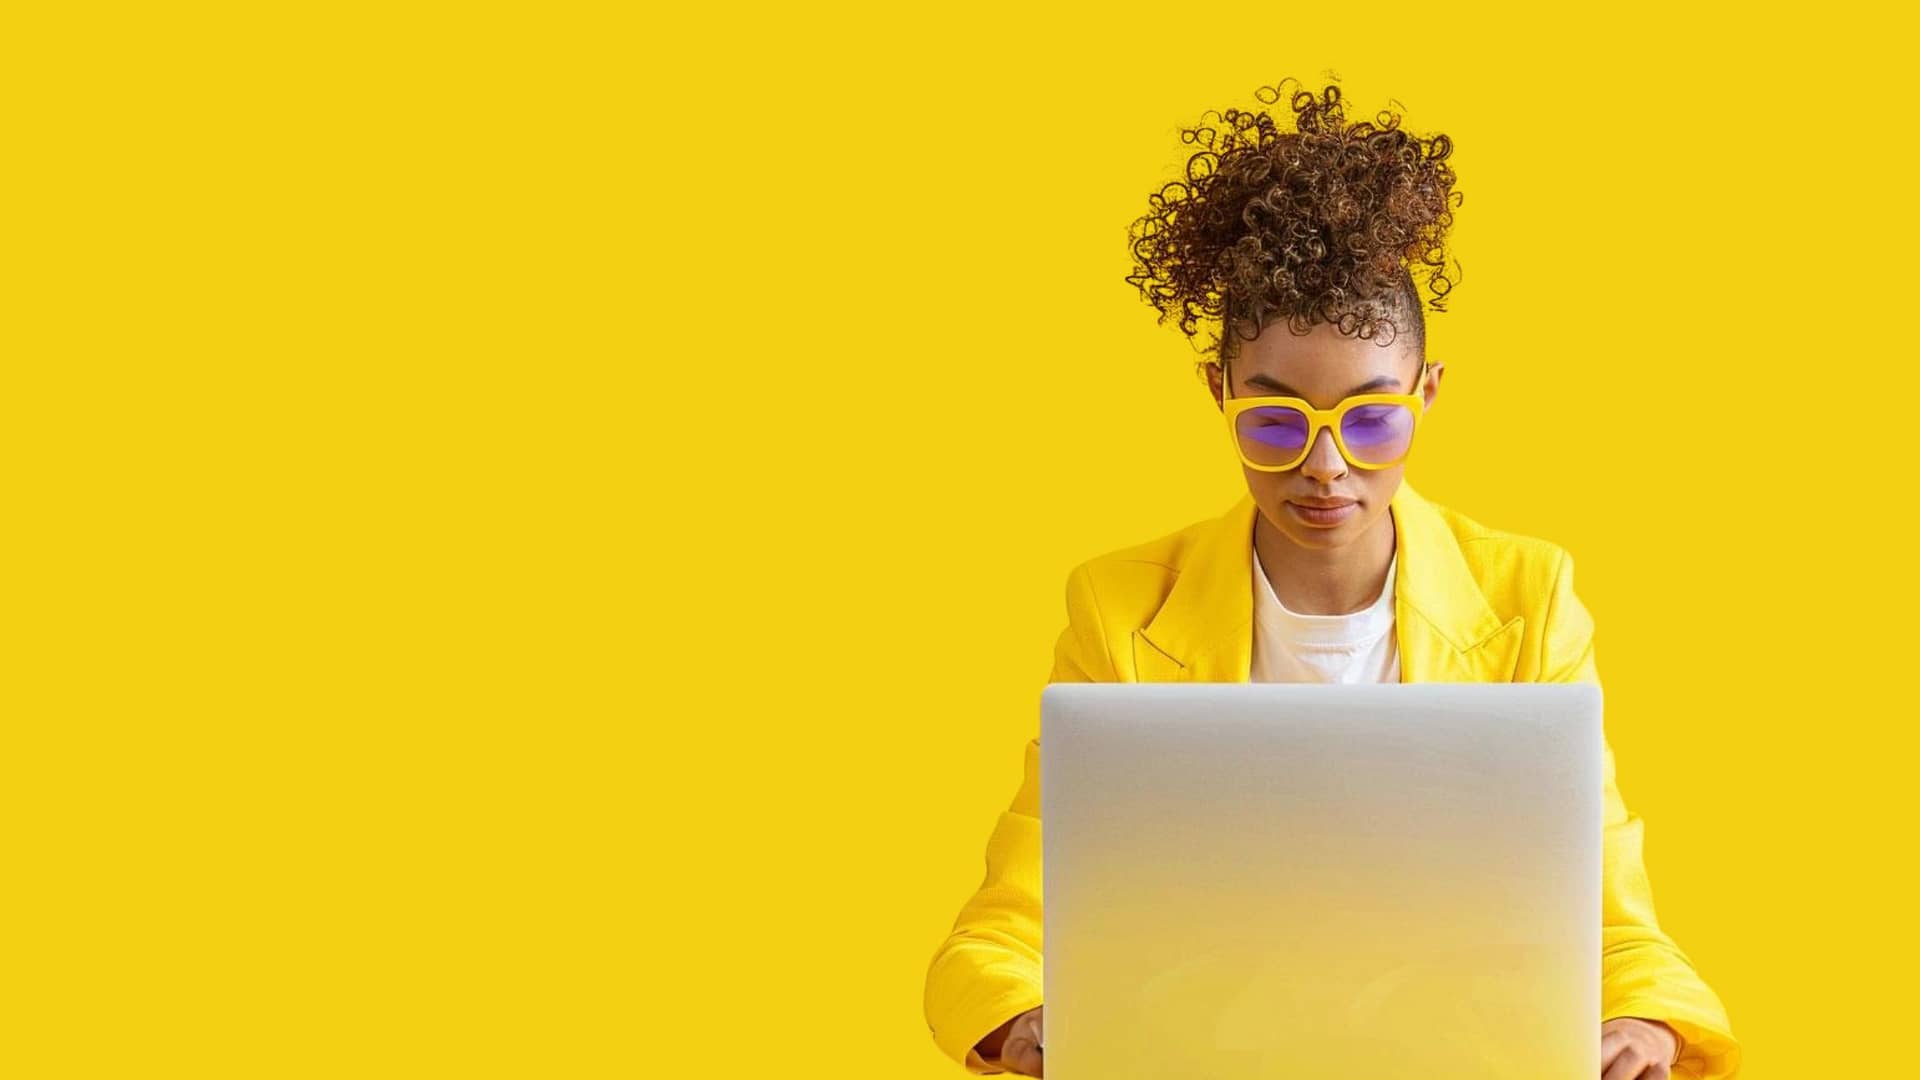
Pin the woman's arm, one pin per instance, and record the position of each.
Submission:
(987, 971)
(1643, 973)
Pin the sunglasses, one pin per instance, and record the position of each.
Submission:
(1372, 431)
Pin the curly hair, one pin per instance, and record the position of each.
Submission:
(1321, 224)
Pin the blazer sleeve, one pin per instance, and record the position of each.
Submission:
(1643, 972)
(987, 971)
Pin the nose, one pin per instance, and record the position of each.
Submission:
(1323, 461)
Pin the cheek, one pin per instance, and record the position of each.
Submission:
(1268, 491)
(1379, 486)
(1267, 487)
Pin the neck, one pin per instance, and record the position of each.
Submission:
(1326, 581)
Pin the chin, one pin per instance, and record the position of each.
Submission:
(1321, 538)
(1307, 536)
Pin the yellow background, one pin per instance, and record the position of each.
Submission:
(538, 531)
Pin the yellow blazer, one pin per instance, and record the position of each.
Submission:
(1471, 604)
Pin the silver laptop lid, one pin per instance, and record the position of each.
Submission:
(1300, 881)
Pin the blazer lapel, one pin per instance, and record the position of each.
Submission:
(1204, 630)
(1446, 630)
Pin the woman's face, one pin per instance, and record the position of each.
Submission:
(1323, 502)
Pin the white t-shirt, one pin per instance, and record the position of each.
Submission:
(1359, 647)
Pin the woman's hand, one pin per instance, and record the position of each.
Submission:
(1630, 1048)
(1015, 1045)
(1636, 1049)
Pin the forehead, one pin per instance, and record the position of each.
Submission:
(1324, 361)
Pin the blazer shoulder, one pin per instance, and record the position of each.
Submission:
(1133, 581)
(1517, 572)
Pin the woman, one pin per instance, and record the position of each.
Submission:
(1330, 568)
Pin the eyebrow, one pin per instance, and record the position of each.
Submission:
(1266, 382)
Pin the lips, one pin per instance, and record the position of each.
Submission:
(1321, 513)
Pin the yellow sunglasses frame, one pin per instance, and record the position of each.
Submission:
(1320, 418)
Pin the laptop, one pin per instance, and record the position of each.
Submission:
(1316, 881)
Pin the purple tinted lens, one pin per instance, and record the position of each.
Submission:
(1377, 434)
(1272, 434)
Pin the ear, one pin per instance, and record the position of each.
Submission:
(1212, 373)
(1435, 369)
